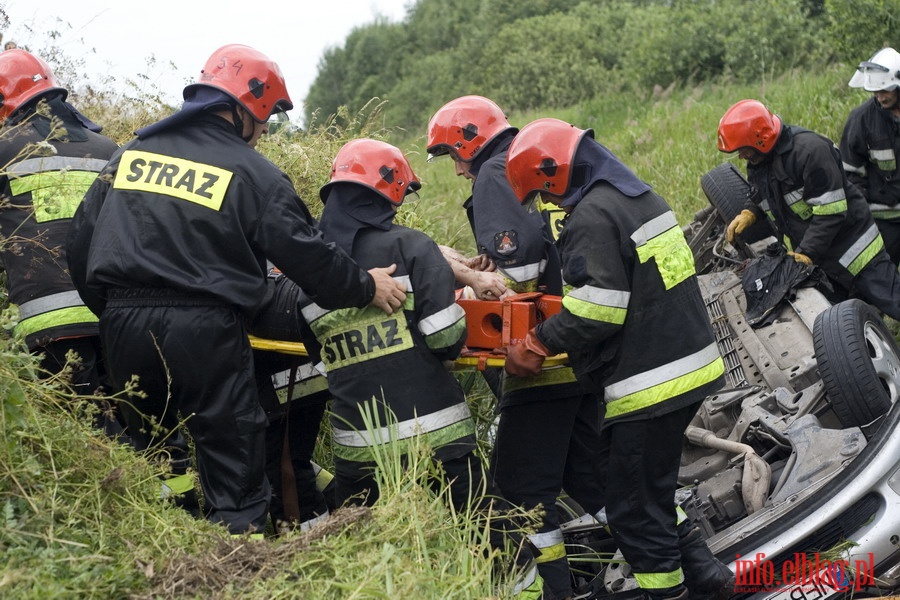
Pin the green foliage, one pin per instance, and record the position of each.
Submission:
(552, 53)
(858, 29)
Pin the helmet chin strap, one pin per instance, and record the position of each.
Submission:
(239, 124)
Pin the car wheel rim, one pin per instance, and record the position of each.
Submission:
(884, 360)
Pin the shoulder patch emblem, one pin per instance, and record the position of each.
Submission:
(506, 242)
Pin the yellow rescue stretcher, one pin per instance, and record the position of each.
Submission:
(470, 359)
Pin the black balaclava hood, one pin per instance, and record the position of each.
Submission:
(72, 121)
(499, 144)
(203, 98)
(350, 208)
(593, 163)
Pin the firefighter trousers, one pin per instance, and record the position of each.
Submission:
(642, 476)
(543, 448)
(193, 361)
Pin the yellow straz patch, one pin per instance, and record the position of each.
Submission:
(159, 174)
(364, 342)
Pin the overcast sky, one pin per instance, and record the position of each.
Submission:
(294, 33)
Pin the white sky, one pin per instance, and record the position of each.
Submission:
(293, 33)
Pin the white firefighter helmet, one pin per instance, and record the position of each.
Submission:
(881, 72)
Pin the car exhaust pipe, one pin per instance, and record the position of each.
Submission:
(757, 473)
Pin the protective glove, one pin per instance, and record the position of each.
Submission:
(741, 222)
(801, 258)
(525, 359)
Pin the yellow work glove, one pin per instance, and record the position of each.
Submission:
(739, 224)
(801, 258)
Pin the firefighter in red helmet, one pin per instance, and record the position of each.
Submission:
(549, 427)
(392, 367)
(41, 193)
(170, 249)
(821, 218)
(638, 336)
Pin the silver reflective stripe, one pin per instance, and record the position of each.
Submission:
(601, 296)
(662, 374)
(304, 372)
(526, 581)
(313, 311)
(882, 155)
(859, 246)
(794, 197)
(764, 206)
(56, 163)
(309, 524)
(653, 228)
(404, 429)
(828, 197)
(547, 539)
(442, 319)
(851, 169)
(39, 306)
(405, 281)
(525, 272)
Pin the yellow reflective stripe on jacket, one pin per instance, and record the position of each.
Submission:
(550, 543)
(55, 318)
(829, 203)
(659, 580)
(552, 376)
(175, 177)
(794, 200)
(663, 240)
(862, 251)
(664, 382)
(598, 304)
(438, 429)
(54, 194)
(445, 327)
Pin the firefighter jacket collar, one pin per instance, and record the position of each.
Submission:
(351, 208)
(593, 163)
(204, 98)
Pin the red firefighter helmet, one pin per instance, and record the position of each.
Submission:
(375, 164)
(248, 76)
(23, 76)
(748, 124)
(463, 126)
(540, 157)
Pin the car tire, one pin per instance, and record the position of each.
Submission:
(859, 362)
(728, 191)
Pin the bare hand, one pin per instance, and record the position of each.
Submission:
(389, 293)
(488, 286)
(482, 262)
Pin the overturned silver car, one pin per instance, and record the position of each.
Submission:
(792, 471)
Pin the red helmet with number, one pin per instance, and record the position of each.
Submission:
(248, 76)
(463, 126)
(375, 164)
(748, 124)
(23, 76)
(540, 157)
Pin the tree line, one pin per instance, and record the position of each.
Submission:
(557, 53)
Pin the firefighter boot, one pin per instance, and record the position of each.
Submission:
(705, 576)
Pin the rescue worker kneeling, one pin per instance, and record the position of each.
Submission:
(390, 366)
